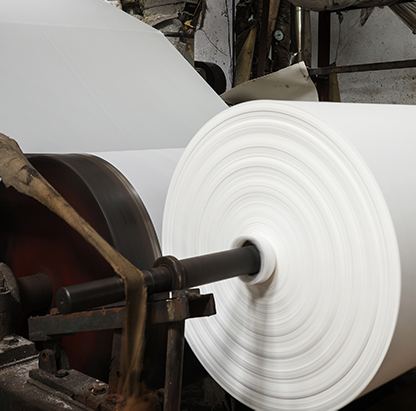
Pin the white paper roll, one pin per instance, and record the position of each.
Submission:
(330, 188)
(81, 75)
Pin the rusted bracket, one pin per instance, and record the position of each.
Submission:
(172, 307)
(53, 326)
(179, 305)
(161, 308)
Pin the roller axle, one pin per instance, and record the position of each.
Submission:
(167, 274)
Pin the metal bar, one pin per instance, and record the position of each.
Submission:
(324, 49)
(181, 35)
(84, 296)
(40, 328)
(357, 7)
(174, 366)
(263, 50)
(388, 65)
(81, 297)
(161, 308)
(194, 272)
(324, 38)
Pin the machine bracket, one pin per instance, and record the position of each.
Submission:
(161, 308)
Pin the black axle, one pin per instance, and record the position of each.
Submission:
(167, 274)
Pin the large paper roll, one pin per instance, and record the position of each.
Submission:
(81, 75)
(329, 189)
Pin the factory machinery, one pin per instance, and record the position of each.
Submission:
(62, 306)
(305, 302)
(295, 220)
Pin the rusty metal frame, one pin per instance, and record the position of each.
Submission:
(172, 308)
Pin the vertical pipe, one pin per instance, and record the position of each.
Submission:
(301, 36)
(306, 37)
(297, 18)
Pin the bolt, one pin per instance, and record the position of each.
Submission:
(10, 340)
(99, 388)
(278, 35)
(54, 311)
(62, 373)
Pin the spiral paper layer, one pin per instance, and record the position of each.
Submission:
(313, 335)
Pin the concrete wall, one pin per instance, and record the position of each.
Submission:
(214, 42)
(384, 37)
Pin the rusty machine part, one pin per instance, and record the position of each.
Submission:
(170, 303)
(35, 242)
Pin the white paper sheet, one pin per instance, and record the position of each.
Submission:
(290, 83)
(81, 75)
(331, 187)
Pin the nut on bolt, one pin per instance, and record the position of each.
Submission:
(62, 373)
(99, 388)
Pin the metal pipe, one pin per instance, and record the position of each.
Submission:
(211, 268)
(388, 65)
(81, 297)
(301, 36)
(169, 274)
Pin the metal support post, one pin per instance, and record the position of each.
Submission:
(174, 366)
